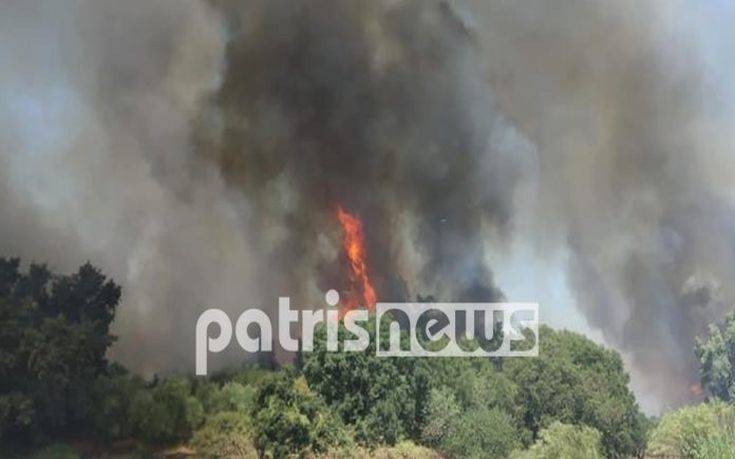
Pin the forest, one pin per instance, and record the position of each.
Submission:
(60, 396)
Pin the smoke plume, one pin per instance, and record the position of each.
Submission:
(633, 181)
(197, 151)
(381, 108)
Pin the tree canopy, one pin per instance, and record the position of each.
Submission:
(576, 381)
(716, 354)
(54, 333)
(55, 382)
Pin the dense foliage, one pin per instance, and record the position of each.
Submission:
(716, 353)
(564, 440)
(572, 401)
(291, 419)
(701, 431)
(576, 381)
(226, 434)
(473, 407)
(54, 333)
(382, 398)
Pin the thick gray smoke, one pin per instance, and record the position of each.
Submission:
(633, 172)
(197, 151)
(98, 102)
(381, 108)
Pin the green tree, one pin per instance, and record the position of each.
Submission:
(54, 334)
(382, 398)
(716, 354)
(576, 381)
(110, 414)
(166, 413)
(477, 383)
(481, 433)
(291, 419)
(441, 410)
(700, 431)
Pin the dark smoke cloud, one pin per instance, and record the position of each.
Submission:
(615, 98)
(379, 107)
(197, 151)
(98, 101)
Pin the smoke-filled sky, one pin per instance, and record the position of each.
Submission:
(571, 152)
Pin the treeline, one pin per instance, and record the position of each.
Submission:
(57, 387)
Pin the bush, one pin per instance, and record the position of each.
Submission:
(167, 413)
(695, 431)
(565, 440)
(232, 397)
(402, 450)
(481, 433)
(110, 414)
(717, 447)
(226, 434)
(291, 419)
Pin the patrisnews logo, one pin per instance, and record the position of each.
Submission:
(458, 329)
(402, 330)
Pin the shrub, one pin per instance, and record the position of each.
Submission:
(291, 419)
(565, 440)
(694, 431)
(232, 397)
(402, 450)
(110, 413)
(481, 433)
(226, 434)
(167, 413)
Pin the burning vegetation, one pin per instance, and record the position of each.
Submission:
(360, 292)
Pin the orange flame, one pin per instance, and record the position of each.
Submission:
(696, 390)
(362, 292)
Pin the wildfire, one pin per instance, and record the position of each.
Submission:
(361, 292)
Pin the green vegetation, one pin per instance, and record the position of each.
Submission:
(702, 431)
(716, 354)
(291, 419)
(576, 381)
(54, 332)
(573, 401)
(167, 413)
(565, 440)
(226, 434)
